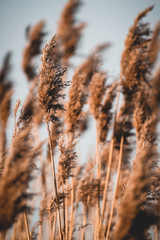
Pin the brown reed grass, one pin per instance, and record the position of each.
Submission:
(110, 197)
(35, 38)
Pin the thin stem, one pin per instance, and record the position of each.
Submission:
(91, 177)
(116, 187)
(108, 207)
(107, 182)
(98, 177)
(66, 212)
(27, 227)
(95, 228)
(72, 210)
(109, 160)
(84, 222)
(72, 199)
(54, 228)
(55, 182)
(64, 221)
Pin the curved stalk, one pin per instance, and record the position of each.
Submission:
(116, 187)
(55, 182)
(27, 227)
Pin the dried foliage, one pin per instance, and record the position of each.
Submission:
(134, 224)
(135, 63)
(129, 209)
(89, 187)
(105, 115)
(15, 180)
(78, 91)
(69, 32)
(67, 160)
(97, 89)
(33, 48)
(51, 84)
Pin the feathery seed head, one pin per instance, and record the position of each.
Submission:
(51, 85)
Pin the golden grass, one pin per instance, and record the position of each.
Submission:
(110, 197)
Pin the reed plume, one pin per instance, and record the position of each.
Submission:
(50, 92)
(69, 32)
(89, 187)
(144, 168)
(51, 86)
(105, 115)
(67, 160)
(55, 203)
(130, 188)
(15, 180)
(6, 91)
(136, 68)
(5, 83)
(78, 93)
(97, 88)
(135, 63)
(33, 48)
(135, 198)
(155, 44)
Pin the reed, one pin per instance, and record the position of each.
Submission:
(114, 193)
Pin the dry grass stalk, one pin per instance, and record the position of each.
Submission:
(97, 89)
(55, 182)
(56, 130)
(139, 195)
(27, 226)
(67, 161)
(5, 102)
(106, 182)
(88, 187)
(50, 92)
(155, 44)
(54, 205)
(135, 62)
(14, 181)
(84, 222)
(105, 115)
(69, 33)
(4, 114)
(111, 147)
(138, 52)
(78, 90)
(116, 187)
(43, 204)
(145, 123)
(35, 39)
(76, 101)
(134, 198)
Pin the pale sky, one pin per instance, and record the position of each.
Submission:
(107, 21)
